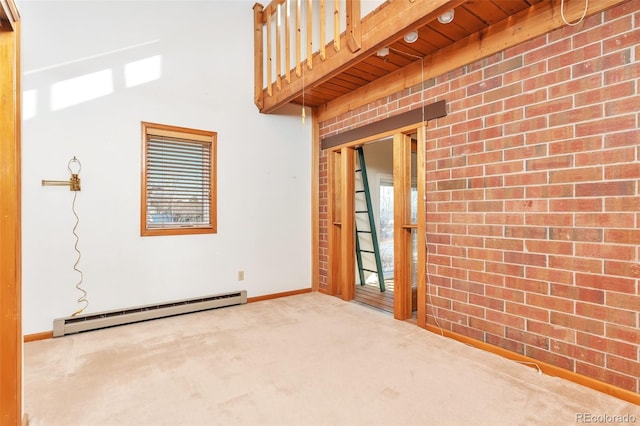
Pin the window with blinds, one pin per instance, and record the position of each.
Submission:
(178, 182)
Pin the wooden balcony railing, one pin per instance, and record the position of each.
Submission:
(279, 29)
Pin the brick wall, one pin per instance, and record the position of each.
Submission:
(533, 202)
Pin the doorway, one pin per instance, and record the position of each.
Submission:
(394, 190)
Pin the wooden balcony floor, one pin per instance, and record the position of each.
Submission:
(370, 294)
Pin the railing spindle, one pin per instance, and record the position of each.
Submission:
(269, 58)
(287, 41)
(323, 53)
(309, 34)
(278, 46)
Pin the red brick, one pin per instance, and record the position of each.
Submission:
(524, 72)
(600, 32)
(506, 269)
(504, 294)
(504, 143)
(558, 162)
(585, 174)
(623, 301)
(573, 145)
(468, 148)
(503, 219)
(508, 344)
(525, 178)
(602, 63)
(512, 321)
(546, 274)
(609, 346)
(485, 206)
(527, 125)
(578, 323)
(527, 338)
(547, 51)
(550, 191)
(576, 115)
(526, 232)
(553, 106)
(614, 124)
(485, 278)
(466, 172)
(487, 302)
(484, 85)
(525, 258)
(575, 234)
(605, 375)
(503, 92)
(527, 311)
(626, 334)
(623, 106)
(624, 269)
(529, 98)
(610, 156)
(548, 219)
(577, 293)
(551, 358)
(490, 327)
(621, 74)
(605, 251)
(605, 220)
(467, 264)
(575, 56)
(604, 189)
(576, 85)
(576, 352)
(551, 330)
(503, 243)
(576, 264)
(617, 316)
(468, 310)
(622, 204)
(549, 302)
(576, 205)
(624, 366)
(549, 247)
(623, 171)
(467, 241)
(622, 236)
(483, 110)
(526, 205)
(604, 282)
(621, 41)
(531, 151)
(603, 94)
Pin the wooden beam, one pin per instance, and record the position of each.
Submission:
(347, 240)
(526, 25)
(10, 224)
(354, 34)
(421, 162)
(401, 229)
(315, 202)
(380, 28)
(258, 55)
(431, 111)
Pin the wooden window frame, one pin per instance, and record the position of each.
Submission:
(185, 134)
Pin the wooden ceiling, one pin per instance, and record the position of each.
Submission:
(346, 79)
(470, 17)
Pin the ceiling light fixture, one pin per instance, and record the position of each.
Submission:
(447, 17)
(383, 51)
(411, 37)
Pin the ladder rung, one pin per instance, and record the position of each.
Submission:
(369, 270)
(359, 191)
(366, 251)
(362, 211)
(363, 232)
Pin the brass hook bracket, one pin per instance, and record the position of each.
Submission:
(73, 183)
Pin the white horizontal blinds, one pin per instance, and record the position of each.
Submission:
(179, 182)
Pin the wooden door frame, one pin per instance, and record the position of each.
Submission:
(10, 224)
(341, 238)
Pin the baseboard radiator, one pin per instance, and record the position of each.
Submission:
(80, 323)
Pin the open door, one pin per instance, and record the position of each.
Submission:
(408, 221)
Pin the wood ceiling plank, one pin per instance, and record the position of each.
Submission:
(486, 11)
(379, 28)
(527, 24)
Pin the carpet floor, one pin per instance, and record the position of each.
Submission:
(308, 359)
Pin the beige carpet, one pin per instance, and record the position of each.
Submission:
(302, 360)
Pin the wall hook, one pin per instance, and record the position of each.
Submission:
(73, 183)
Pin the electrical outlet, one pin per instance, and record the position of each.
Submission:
(240, 275)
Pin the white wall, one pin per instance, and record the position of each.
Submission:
(199, 75)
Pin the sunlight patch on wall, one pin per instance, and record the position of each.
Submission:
(143, 71)
(77, 90)
(29, 104)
